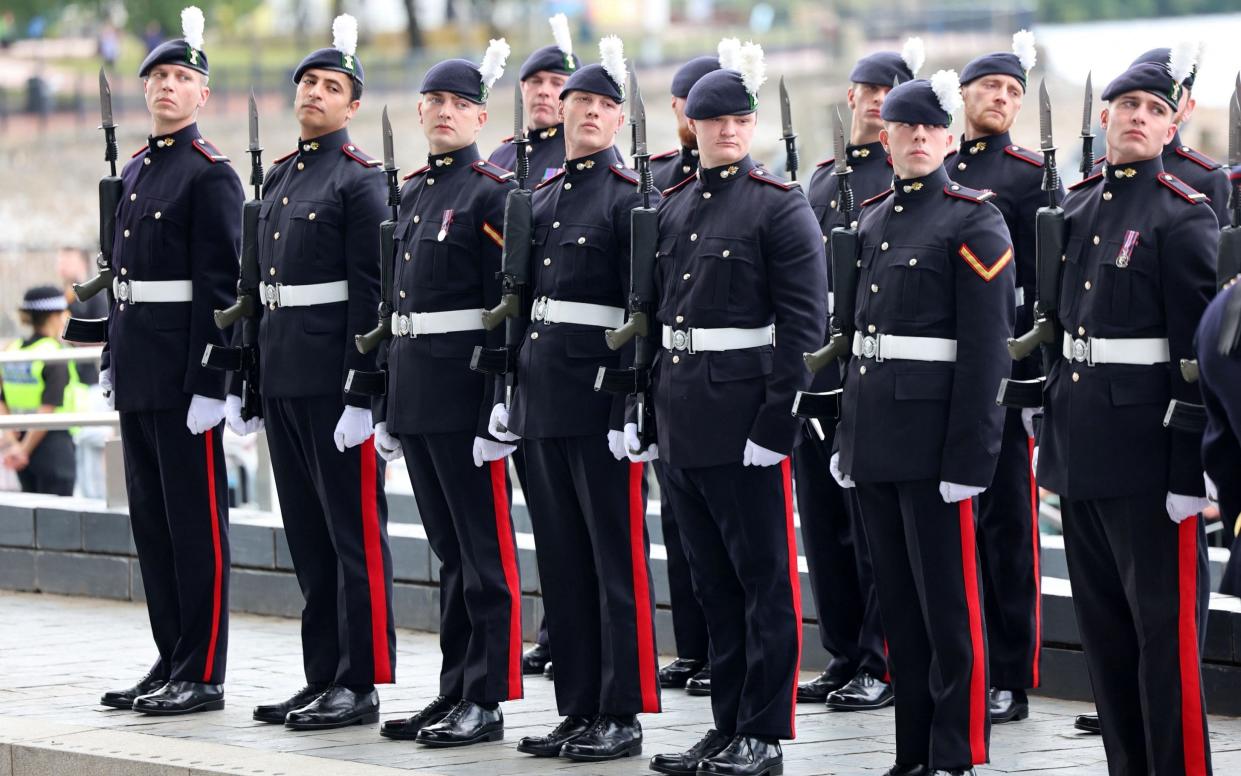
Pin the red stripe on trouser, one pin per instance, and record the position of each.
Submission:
(1038, 578)
(887, 670)
(641, 591)
(508, 562)
(978, 671)
(1187, 648)
(375, 576)
(217, 558)
(794, 582)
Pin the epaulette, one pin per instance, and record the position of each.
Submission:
(666, 155)
(677, 187)
(417, 172)
(826, 162)
(878, 197)
(208, 150)
(286, 157)
(360, 156)
(1025, 155)
(1183, 189)
(1092, 178)
(977, 196)
(766, 176)
(493, 171)
(624, 173)
(134, 155)
(1198, 158)
(555, 177)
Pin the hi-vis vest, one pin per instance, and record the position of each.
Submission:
(24, 383)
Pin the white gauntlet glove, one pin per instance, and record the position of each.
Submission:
(951, 492)
(757, 455)
(843, 480)
(353, 428)
(632, 443)
(498, 424)
(1181, 508)
(232, 418)
(486, 450)
(388, 446)
(204, 414)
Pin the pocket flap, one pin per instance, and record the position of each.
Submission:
(923, 386)
(735, 365)
(1132, 390)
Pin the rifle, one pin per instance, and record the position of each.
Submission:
(1087, 164)
(791, 157)
(643, 237)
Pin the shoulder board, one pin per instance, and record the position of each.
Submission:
(826, 162)
(134, 155)
(877, 198)
(761, 174)
(361, 157)
(977, 196)
(208, 150)
(677, 187)
(666, 155)
(1098, 164)
(417, 172)
(549, 181)
(1025, 155)
(1183, 189)
(1092, 178)
(953, 152)
(508, 139)
(1197, 157)
(493, 171)
(624, 173)
(286, 157)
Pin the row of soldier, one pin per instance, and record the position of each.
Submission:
(918, 504)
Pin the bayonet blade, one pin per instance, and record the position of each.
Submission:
(638, 115)
(519, 113)
(1087, 108)
(1044, 117)
(389, 153)
(838, 145)
(254, 124)
(1234, 129)
(786, 110)
(105, 101)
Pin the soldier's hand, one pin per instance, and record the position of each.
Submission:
(842, 479)
(498, 425)
(205, 413)
(952, 492)
(353, 428)
(232, 418)
(616, 444)
(388, 446)
(105, 384)
(1181, 508)
(486, 450)
(633, 446)
(757, 455)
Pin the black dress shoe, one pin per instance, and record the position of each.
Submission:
(551, 744)
(609, 737)
(745, 756)
(275, 713)
(817, 689)
(862, 692)
(406, 729)
(124, 699)
(181, 698)
(1008, 705)
(1088, 723)
(908, 770)
(338, 706)
(535, 659)
(674, 675)
(548, 671)
(467, 723)
(686, 763)
(700, 684)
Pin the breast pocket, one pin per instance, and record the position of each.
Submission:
(921, 282)
(590, 258)
(1129, 286)
(1071, 270)
(162, 226)
(665, 265)
(730, 271)
(314, 234)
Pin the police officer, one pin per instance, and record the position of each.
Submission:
(586, 500)
(178, 230)
(448, 262)
(672, 167)
(1140, 247)
(1220, 378)
(920, 430)
(318, 237)
(739, 268)
(993, 87)
(856, 677)
(42, 458)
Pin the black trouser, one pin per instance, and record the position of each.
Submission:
(689, 624)
(588, 511)
(178, 506)
(838, 563)
(927, 573)
(1008, 545)
(52, 468)
(1139, 586)
(336, 523)
(465, 511)
(737, 522)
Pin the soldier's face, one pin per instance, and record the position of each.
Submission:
(865, 100)
(591, 122)
(724, 139)
(916, 149)
(324, 102)
(992, 103)
(541, 95)
(450, 121)
(1137, 125)
(173, 93)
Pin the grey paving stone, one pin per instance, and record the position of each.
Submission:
(16, 525)
(416, 606)
(284, 560)
(528, 563)
(58, 529)
(264, 592)
(17, 569)
(6, 760)
(252, 546)
(411, 558)
(100, 576)
(107, 532)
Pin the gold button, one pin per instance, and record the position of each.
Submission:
(122, 305)
(311, 217)
(685, 276)
(158, 215)
(430, 181)
(727, 253)
(276, 236)
(402, 294)
(547, 262)
(1095, 240)
(534, 336)
(271, 271)
(284, 201)
(862, 371)
(1076, 377)
(1087, 285)
(883, 246)
(676, 359)
(1081, 331)
(680, 319)
(1107, 195)
(132, 197)
(899, 208)
(568, 186)
(913, 262)
(693, 237)
(555, 224)
(870, 329)
(832, 204)
(417, 219)
(126, 232)
(685, 168)
(581, 241)
(706, 195)
(961, 166)
(824, 238)
(146, 161)
(124, 271)
(407, 255)
(301, 165)
(874, 289)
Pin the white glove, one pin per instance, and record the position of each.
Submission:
(204, 414)
(232, 418)
(499, 417)
(1181, 508)
(105, 383)
(1212, 490)
(757, 455)
(388, 446)
(632, 443)
(1027, 418)
(486, 450)
(843, 480)
(616, 444)
(353, 428)
(1034, 459)
(952, 492)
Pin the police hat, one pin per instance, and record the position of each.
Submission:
(884, 68)
(1186, 52)
(733, 89)
(1017, 64)
(186, 51)
(342, 57)
(688, 74)
(466, 79)
(924, 102)
(606, 78)
(43, 299)
(1150, 77)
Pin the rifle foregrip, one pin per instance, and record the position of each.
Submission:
(1041, 334)
(637, 325)
(101, 282)
(242, 308)
(1189, 369)
(370, 340)
(837, 347)
(509, 307)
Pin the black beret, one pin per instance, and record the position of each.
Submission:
(331, 59)
(1160, 56)
(175, 52)
(459, 76)
(689, 73)
(997, 63)
(883, 68)
(719, 93)
(1150, 77)
(594, 79)
(41, 299)
(551, 59)
(915, 102)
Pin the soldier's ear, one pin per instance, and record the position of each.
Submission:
(884, 138)
(852, 100)
(1103, 119)
(482, 117)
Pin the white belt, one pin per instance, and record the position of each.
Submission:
(883, 347)
(1137, 351)
(417, 324)
(281, 295)
(696, 340)
(1020, 297)
(557, 311)
(135, 291)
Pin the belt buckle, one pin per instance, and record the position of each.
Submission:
(540, 309)
(870, 348)
(272, 297)
(681, 340)
(403, 325)
(122, 290)
(1081, 352)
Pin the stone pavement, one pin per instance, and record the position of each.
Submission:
(57, 654)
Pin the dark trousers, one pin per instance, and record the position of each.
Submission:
(689, 624)
(839, 564)
(53, 466)
(465, 511)
(1139, 582)
(178, 506)
(336, 522)
(1008, 545)
(737, 522)
(927, 573)
(588, 511)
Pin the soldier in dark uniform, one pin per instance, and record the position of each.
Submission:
(448, 248)
(1139, 256)
(920, 430)
(586, 500)
(318, 236)
(739, 269)
(672, 167)
(1220, 381)
(856, 677)
(178, 233)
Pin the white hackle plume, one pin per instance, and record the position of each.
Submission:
(492, 66)
(560, 32)
(752, 67)
(192, 24)
(947, 87)
(1023, 47)
(345, 34)
(729, 52)
(913, 53)
(1183, 59)
(612, 57)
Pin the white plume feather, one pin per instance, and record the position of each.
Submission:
(492, 66)
(753, 68)
(1183, 59)
(914, 54)
(729, 51)
(612, 57)
(947, 87)
(560, 32)
(192, 24)
(345, 34)
(1023, 47)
